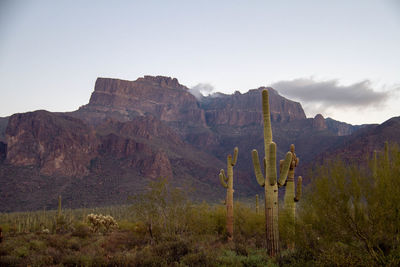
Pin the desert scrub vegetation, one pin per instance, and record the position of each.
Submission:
(161, 227)
(349, 216)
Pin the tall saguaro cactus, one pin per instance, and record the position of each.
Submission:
(291, 197)
(270, 182)
(227, 182)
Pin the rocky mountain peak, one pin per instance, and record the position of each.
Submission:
(244, 109)
(163, 97)
(162, 81)
(319, 123)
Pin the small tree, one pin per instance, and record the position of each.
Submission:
(161, 207)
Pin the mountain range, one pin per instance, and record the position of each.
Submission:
(133, 132)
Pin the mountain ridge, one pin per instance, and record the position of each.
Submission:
(132, 132)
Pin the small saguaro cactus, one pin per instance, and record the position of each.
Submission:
(227, 182)
(291, 197)
(270, 182)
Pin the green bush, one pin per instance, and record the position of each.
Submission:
(172, 249)
(81, 230)
(199, 258)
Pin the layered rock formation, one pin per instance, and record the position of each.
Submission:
(162, 97)
(243, 109)
(55, 143)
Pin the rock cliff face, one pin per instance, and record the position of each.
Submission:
(162, 97)
(319, 123)
(3, 126)
(54, 142)
(244, 109)
(341, 128)
(3, 151)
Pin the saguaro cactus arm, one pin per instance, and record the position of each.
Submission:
(235, 155)
(257, 168)
(223, 179)
(298, 189)
(284, 168)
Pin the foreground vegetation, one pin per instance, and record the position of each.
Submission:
(349, 216)
(161, 228)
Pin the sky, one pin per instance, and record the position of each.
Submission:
(338, 58)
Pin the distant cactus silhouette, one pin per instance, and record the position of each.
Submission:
(227, 182)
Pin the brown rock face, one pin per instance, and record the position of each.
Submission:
(319, 123)
(147, 127)
(3, 151)
(245, 109)
(163, 97)
(121, 147)
(157, 166)
(54, 142)
(340, 128)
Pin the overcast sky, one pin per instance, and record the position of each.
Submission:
(338, 58)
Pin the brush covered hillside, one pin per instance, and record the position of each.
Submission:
(132, 132)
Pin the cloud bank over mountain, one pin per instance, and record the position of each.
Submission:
(201, 89)
(327, 96)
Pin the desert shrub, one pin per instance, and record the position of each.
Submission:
(199, 258)
(74, 244)
(172, 249)
(10, 260)
(21, 251)
(248, 224)
(81, 230)
(296, 258)
(122, 259)
(37, 245)
(229, 258)
(240, 247)
(39, 260)
(128, 225)
(76, 259)
(147, 258)
(55, 254)
(351, 214)
(255, 260)
(56, 241)
(120, 241)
